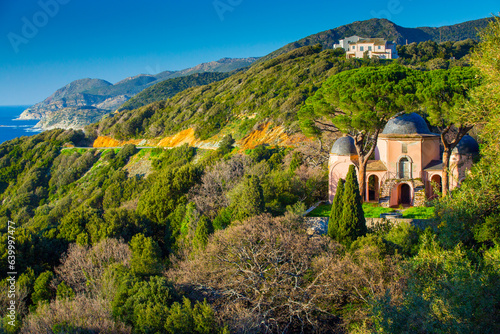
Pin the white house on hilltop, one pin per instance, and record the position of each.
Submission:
(356, 47)
(344, 43)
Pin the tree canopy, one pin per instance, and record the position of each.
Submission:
(445, 95)
(359, 102)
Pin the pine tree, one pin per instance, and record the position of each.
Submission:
(146, 256)
(337, 208)
(247, 198)
(226, 145)
(203, 230)
(352, 224)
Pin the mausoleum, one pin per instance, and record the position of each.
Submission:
(407, 169)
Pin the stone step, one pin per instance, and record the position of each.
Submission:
(419, 197)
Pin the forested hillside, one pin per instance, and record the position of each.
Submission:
(186, 240)
(76, 200)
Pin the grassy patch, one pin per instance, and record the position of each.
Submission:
(323, 210)
(372, 210)
(419, 212)
(142, 152)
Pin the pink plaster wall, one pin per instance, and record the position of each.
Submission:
(338, 167)
(430, 150)
(459, 165)
(420, 151)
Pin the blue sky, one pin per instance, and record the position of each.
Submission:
(111, 39)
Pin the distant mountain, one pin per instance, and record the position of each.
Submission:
(221, 65)
(386, 29)
(168, 88)
(129, 86)
(105, 97)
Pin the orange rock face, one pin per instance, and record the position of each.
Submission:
(270, 136)
(104, 141)
(180, 138)
(264, 135)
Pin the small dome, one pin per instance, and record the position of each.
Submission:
(467, 145)
(344, 146)
(407, 124)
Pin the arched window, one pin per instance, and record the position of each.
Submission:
(404, 168)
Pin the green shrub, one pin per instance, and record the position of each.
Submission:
(42, 292)
(146, 256)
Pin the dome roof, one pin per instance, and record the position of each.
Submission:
(407, 124)
(344, 146)
(467, 145)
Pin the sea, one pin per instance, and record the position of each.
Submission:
(11, 128)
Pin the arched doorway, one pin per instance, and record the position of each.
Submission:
(405, 194)
(404, 168)
(436, 185)
(373, 188)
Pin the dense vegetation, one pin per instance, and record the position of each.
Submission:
(438, 55)
(168, 88)
(86, 204)
(192, 241)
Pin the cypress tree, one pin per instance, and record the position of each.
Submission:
(352, 224)
(337, 208)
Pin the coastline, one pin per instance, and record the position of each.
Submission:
(14, 126)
